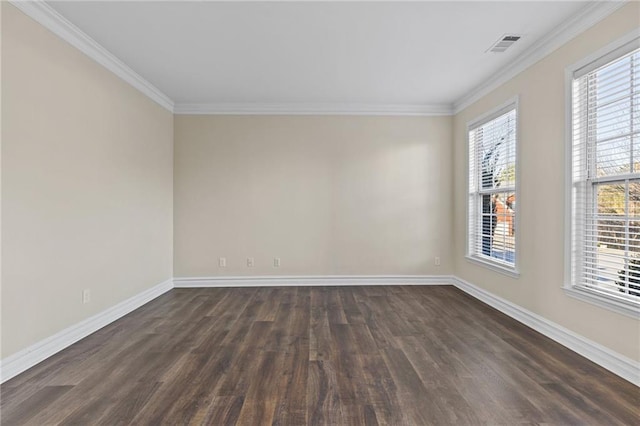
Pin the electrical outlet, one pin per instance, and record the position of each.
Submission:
(437, 261)
(276, 262)
(86, 295)
(250, 262)
(222, 262)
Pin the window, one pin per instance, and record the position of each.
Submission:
(492, 189)
(605, 177)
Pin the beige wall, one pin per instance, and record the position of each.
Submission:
(86, 185)
(541, 199)
(1, 181)
(329, 195)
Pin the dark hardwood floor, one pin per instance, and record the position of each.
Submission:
(321, 355)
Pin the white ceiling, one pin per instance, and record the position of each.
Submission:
(315, 53)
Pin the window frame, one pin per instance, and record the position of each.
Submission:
(603, 56)
(500, 267)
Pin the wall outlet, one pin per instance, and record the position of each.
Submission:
(276, 262)
(222, 262)
(86, 295)
(437, 261)
(250, 262)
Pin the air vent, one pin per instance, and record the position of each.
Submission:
(504, 43)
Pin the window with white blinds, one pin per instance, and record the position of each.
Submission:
(492, 189)
(605, 168)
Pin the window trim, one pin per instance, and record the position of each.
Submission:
(510, 271)
(592, 296)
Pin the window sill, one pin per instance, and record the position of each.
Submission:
(494, 266)
(594, 297)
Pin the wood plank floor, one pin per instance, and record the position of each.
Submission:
(322, 355)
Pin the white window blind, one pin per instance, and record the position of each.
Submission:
(605, 245)
(492, 189)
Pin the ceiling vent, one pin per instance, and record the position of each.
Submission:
(504, 43)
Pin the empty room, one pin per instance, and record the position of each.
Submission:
(320, 213)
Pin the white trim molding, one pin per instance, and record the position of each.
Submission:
(45, 15)
(310, 280)
(612, 361)
(618, 364)
(313, 109)
(605, 301)
(38, 352)
(590, 15)
(494, 266)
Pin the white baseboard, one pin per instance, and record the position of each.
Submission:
(612, 361)
(618, 364)
(38, 352)
(311, 280)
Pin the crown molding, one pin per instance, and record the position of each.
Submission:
(583, 20)
(312, 109)
(42, 13)
(45, 15)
